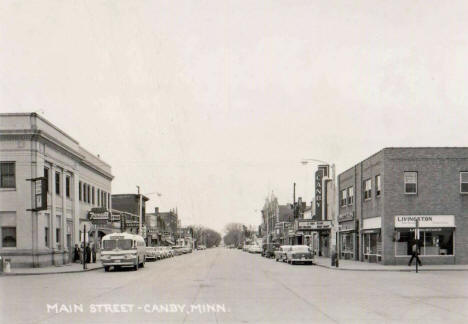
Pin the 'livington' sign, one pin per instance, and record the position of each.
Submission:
(409, 221)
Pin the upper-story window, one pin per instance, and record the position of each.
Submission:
(344, 197)
(378, 186)
(367, 189)
(92, 196)
(350, 195)
(464, 182)
(7, 175)
(67, 186)
(411, 182)
(98, 197)
(46, 176)
(80, 191)
(57, 183)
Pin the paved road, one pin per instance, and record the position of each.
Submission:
(245, 288)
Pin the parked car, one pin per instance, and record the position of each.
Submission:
(201, 247)
(177, 250)
(162, 252)
(269, 250)
(170, 252)
(246, 247)
(299, 254)
(254, 248)
(280, 254)
(150, 253)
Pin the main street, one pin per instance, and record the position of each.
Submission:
(230, 286)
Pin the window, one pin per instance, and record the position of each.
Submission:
(92, 196)
(46, 175)
(46, 236)
(57, 183)
(67, 186)
(98, 197)
(79, 190)
(378, 186)
(436, 241)
(7, 175)
(88, 193)
(108, 204)
(411, 182)
(350, 195)
(463, 182)
(367, 189)
(344, 197)
(8, 237)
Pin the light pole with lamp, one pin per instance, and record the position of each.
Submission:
(335, 209)
(140, 209)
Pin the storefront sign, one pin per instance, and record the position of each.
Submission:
(313, 225)
(409, 221)
(40, 193)
(348, 226)
(318, 193)
(346, 216)
(370, 223)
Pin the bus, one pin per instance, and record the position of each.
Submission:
(123, 250)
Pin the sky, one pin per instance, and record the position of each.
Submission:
(213, 104)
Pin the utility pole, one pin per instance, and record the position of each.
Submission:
(139, 212)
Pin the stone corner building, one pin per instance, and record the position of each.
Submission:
(31, 147)
(381, 198)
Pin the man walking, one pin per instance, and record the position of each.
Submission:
(414, 254)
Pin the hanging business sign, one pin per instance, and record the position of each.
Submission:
(409, 221)
(39, 193)
(313, 225)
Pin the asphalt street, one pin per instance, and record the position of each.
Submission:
(230, 286)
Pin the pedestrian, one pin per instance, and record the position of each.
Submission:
(88, 253)
(414, 254)
(93, 252)
(76, 253)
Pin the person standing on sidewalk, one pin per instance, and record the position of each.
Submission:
(93, 253)
(88, 253)
(76, 253)
(414, 254)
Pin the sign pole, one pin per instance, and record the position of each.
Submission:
(84, 247)
(416, 235)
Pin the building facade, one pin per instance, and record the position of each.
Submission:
(130, 203)
(383, 197)
(74, 182)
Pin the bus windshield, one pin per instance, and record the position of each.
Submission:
(114, 244)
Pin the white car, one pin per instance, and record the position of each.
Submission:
(299, 254)
(255, 249)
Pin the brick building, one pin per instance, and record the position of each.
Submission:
(381, 198)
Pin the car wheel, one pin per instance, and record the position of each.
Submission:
(106, 268)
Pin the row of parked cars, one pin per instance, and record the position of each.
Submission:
(161, 252)
(291, 254)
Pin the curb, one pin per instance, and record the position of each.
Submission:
(46, 273)
(386, 270)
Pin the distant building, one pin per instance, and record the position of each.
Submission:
(130, 203)
(40, 224)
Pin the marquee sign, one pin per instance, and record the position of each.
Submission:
(409, 221)
(318, 192)
(313, 225)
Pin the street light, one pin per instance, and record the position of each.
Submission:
(140, 209)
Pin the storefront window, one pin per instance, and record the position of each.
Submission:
(347, 245)
(372, 246)
(432, 242)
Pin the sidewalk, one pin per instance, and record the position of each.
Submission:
(365, 266)
(67, 268)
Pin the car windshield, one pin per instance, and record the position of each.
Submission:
(114, 244)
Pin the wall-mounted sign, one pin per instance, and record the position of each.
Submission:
(371, 223)
(409, 221)
(318, 193)
(346, 217)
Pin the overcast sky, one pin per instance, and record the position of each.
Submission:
(214, 103)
